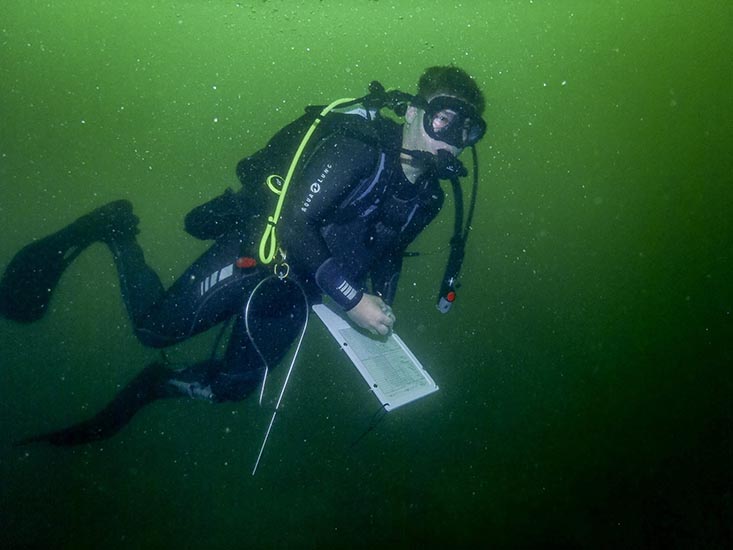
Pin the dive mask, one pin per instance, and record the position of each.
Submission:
(452, 121)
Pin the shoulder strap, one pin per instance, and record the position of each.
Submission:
(279, 185)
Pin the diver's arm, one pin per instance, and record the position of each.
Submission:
(333, 171)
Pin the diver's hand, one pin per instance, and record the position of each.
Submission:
(372, 314)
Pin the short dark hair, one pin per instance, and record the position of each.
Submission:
(453, 81)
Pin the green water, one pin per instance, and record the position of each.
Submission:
(585, 372)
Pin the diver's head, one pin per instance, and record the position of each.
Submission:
(446, 112)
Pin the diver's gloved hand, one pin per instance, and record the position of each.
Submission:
(372, 314)
(216, 217)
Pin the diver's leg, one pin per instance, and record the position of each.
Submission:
(270, 318)
(263, 333)
(212, 290)
(140, 286)
(30, 278)
(261, 336)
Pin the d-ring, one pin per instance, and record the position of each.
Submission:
(281, 270)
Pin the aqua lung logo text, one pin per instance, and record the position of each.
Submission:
(315, 188)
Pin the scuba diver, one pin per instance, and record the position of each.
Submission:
(358, 191)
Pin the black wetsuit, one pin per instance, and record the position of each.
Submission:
(349, 215)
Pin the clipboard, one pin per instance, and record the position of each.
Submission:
(394, 374)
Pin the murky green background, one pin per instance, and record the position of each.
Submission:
(585, 372)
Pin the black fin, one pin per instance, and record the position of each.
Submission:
(32, 275)
(148, 386)
(29, 280)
